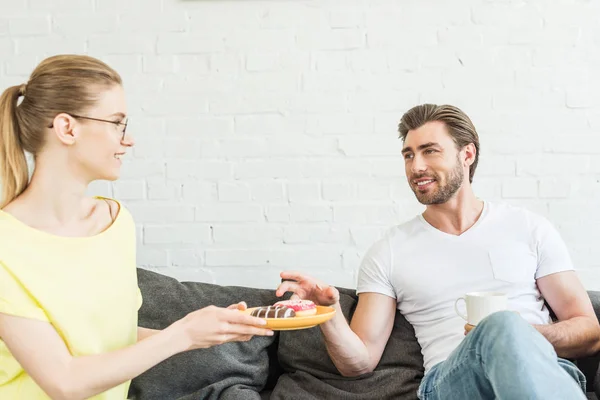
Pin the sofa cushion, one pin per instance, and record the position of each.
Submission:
(229, 371)
(310, 373)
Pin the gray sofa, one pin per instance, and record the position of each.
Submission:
(289, 365)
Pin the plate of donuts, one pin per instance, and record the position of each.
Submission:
(292, 314)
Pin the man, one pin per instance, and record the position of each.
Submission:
(458, 245)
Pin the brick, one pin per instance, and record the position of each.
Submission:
(553, 164)
(121, 44)
(364, 214)
(130, 190)
(339, 124)
(18, 65)
(207, 125)
(260, 234)
(555, 188)
(267, 40)
(304, 192)
(135, 169)
(373, 191)
(230, 213)
(228, 63)
(520, 188)
(61, 5)
(182, 149)
(347, 18)
(299, 213)
(186, 258)
(149, 6)
(156, 213)
(165, 106)
(368, 60)
(269, 124)
(184, 43)
(365, 236)
(74, 24)
(233, 192)
(331, 39)
(161, 189)
(30, 26)
(49, 45)
(338, 191)
(558, 36)
(314, 234)
(189, 233)
(149, 257)
(507, 15)
(125, 64)
(196, 192)
(152, 23)
(326, 61)
(238, 17)
(159, 64)
(267, 169)
(266, 191)
(193, 64)
(262, 61)
(361, 146)
(100, 188)
(487, 188)
(324, 258)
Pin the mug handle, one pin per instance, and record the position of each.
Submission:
(463, 316)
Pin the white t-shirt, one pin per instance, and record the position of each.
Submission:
(426, 270)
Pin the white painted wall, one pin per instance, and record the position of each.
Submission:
(266, 130)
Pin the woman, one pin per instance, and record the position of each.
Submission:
(68, 288)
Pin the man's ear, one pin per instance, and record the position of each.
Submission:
(62, 127)
(470, 154)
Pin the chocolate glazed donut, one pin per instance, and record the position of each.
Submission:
(273, 312)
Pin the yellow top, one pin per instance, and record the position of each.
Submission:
(86, 287)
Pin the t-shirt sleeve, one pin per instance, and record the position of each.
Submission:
(16, 300)
(553, 255)
(140, 298)
(374, 271)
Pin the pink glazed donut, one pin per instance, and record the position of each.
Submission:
(302, 308)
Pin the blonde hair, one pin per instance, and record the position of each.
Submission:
(59, 84)
(459, 126)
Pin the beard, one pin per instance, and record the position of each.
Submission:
(442, 193)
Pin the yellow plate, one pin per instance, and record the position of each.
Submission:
(287, 324)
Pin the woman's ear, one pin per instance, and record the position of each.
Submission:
(63, 128)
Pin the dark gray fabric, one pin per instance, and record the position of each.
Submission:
(310, 374)
(251, 370)
(231, 371)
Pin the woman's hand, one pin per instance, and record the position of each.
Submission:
(212, 326)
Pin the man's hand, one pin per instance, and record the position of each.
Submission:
(307, 288)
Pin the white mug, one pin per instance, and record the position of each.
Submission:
(480, 305)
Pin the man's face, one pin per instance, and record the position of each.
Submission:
(433, 164)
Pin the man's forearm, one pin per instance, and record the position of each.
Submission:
(347, 351)
(573, 338)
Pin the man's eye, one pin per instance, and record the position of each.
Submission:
(408, 156)
(429, 151)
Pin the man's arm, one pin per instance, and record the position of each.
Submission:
(356, 349)
(577, 332)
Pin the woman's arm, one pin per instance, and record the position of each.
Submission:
(44, 356)
(143, 333)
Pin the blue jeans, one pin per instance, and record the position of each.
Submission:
(503, 358)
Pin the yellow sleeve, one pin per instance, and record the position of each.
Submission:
(140, 299)
(15, 299)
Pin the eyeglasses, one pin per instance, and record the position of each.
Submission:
(117, 123)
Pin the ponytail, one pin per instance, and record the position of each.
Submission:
(14, 173)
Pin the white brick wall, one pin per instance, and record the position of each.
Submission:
(266, 130)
